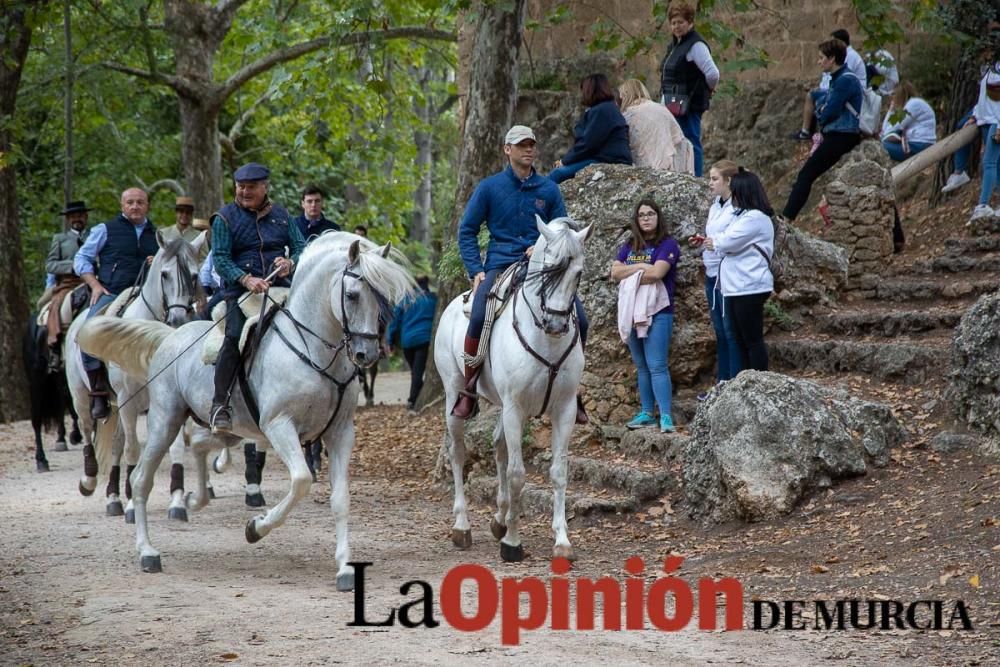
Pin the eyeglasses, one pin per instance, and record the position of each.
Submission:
(647, 214)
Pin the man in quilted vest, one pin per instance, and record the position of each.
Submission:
(251, 237)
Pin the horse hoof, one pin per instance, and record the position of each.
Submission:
(42, 466)
(560, 551)
(255, 500)
(509, 554)
(60, 446)
(115, 508)
(251, 532)
(217, 468)
(150, 564)
(497, 528)
(461, 538)
(75, 438)
(211, 493)
(129, 516)
(177, 514)
(345, 582)
(84, 491)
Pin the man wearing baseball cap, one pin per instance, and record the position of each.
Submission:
(507, 202)
(248, 241)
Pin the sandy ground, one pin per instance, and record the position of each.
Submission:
(71, 591)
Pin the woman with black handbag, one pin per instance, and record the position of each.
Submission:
(688, 76)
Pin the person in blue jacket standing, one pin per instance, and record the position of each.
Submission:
(412, 321)
(601, 133)
(508, 203)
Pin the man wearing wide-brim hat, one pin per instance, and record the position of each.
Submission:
(183, 227)
(59, 263)
(248, 239)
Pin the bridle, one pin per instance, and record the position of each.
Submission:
(345, 325)
(187, 290)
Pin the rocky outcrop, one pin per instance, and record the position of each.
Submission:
(605, 196)
(974, 380)
(765, 441)
(861, 200)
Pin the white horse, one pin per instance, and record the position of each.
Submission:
(302, 379)
(539, 324)
(168, 294)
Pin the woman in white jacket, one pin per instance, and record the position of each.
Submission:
(720, 216)
(747, 246)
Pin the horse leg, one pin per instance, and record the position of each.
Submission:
(88, 482)
(461, 532)
(41, 462)
(60, 445)
(307, 453)
(510, 545)
(114, 506)
(177, 509)
(128, 416)
(163, 423)
(342, 443)
(202, 443)
(284, 440)
(562, 427)
(498, 524)
(75, 436)
(254, 468)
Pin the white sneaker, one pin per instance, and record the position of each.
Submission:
(982, 211)
(955, 181)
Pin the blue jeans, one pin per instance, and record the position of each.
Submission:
(962, 155)
(568, 171)
(650, 356)
(991, 161)
(727, 351)
(93, 363)
(895, 149)
(691, 127)
(477, 318)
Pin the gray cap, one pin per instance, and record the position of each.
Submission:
(519, 133)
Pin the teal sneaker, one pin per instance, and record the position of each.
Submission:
(666, 424)
(641, 420)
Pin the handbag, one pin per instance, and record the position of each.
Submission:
(676, 103)
(993, 91)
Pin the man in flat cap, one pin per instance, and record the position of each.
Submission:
(59, 263)
(312, 222)
(507, 202)
(249, 239)
(184, 216)
(110, 261)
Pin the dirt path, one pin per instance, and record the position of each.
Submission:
(71, 591)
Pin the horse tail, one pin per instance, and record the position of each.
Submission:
(130, 344)
(45, 391)
(105, 433)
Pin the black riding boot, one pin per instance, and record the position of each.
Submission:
(225, 373)
(99, 389)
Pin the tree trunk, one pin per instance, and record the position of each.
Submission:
(202, 155)
(68, 107)
(15, 35)
(420, 225)
(964, 90)
(487, 113)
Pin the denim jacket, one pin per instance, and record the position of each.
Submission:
(833, 113)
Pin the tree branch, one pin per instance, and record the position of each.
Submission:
(162, 184)
(237, 129)
(286, 54)
(154, 77)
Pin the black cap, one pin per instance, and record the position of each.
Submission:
(74, 207)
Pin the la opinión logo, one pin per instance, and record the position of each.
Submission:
(630, 604)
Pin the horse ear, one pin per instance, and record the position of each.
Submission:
(543, 228)
(199, 242)
(386, 249)
(353, 252)
(159, 239)
(584, 234)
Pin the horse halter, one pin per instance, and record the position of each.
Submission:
(345, 325)
(549, 276)
(165, 305)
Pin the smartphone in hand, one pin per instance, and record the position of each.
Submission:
(696, 240)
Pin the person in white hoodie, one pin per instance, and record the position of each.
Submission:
(720, 216)
(987, 116)
(747, 246)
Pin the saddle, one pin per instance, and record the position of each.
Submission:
(251, 306)
(505, 285)
(69, 307)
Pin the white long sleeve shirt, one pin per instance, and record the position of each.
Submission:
(919, 124)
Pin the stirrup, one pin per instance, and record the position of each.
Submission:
(221, 419)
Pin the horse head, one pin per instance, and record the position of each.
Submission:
(172, 288)
(555, 268)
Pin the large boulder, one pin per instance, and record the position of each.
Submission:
(764, 441)
(605, 196)
(974, 380)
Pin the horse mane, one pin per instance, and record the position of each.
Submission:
(389, 276)
(566, 243)
(178, 246)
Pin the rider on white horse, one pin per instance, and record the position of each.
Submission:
(120, 248)
(507, 202)
(249, 241)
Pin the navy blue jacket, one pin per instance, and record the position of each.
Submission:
(601, 135)
(123, 256)
(833, 114)
(311, 229)
(412, 320)
(508, 206)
